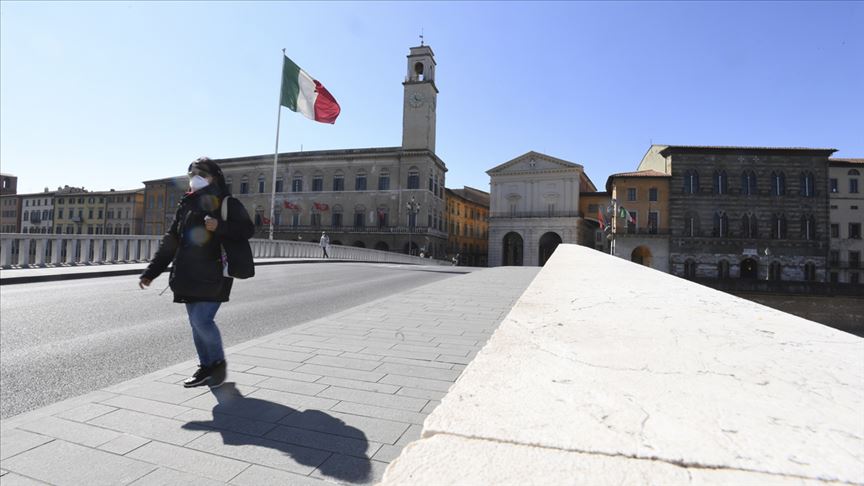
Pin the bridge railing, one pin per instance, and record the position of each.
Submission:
(24, 250)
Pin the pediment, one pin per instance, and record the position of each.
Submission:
(532, 162)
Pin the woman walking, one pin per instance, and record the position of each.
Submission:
(194, 244)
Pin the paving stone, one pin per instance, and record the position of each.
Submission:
(420, 393)
(12, 479)
(372, 376)
(372, 398)
(231, 400)
(456, 340)
(190, 461)
(359, 385)
(335, 346)
(16, 441)
(61, 462)
(280, 354)
(264, 362)
(351, 469)
(173, 378)
(387, 453)
(372, 411)
(347, 425)
(85, 412)
(169, 477)
(261, 451)
(410, 435)
(163, 392)
(418, 362)
(259, 475)
(146, 406)
(398, 353)
(208, 400)
(368, 357)
(234, 423)
(456, 350)
(293, 399)
(454, 359)
(70, 431)
(415, 348)
(124, 444)
(290, 375)
(421, 383)
(148, 426)
(326, 442)
(419, 372)
(292, 386)
(430, 406)
(351, 364)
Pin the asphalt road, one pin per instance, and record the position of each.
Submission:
(63, 339)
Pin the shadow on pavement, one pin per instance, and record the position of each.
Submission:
(306, 446)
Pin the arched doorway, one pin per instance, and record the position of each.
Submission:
(548, 243)
(381, 246)
(512, 254)
(749, 269)
(641, 255)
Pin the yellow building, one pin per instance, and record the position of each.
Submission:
(468, 225)
(640, 225)
(591, 204)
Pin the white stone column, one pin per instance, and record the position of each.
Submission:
(70, 250)
(85, 250)
(99, 245)
(56, 250)
(23, 251)
(6, 252)
(41, 245)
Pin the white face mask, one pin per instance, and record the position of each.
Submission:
(196, 183)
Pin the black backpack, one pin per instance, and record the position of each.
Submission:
(237, 258)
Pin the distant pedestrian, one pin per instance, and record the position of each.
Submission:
(194, 244)
(325, 242)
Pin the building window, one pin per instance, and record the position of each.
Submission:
(652, 194)
(244, 185)
(853, 186)
(810, 272)
(26, 216)
(631, 222)
(721, 183)
(778, 183)
(723, 269)
(315, 219)
(653, 222)
(750, 226)
(855, 231)
(689, 269)
(430, 181)
(295, 219)
(631, 194)
(382, 217)
(691, 182)
(834, 257)
(297, 183)
(775, 271)
(413, 179)
(317, 183)
(854, 259)
(807, 188)
(280, 185)
(721, 225)
(261, 184)
(778, 227)
(835, 230)
(337, 217)
(808, 227)
(691, 225)
(384, 180)
(833, 186)
(359, 219)
(338, 182)
(360, 181)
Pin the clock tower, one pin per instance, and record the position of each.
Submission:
(418, 106)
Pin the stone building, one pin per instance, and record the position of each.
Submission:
(124, 212)
(161, 197)
(83, 212)
(642, 236)
(360, 197)
(847, 215)
(468, 226)
(746, 212)
(535, 205)
(37, 212)
(10, 213)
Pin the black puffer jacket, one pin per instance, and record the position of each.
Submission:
(196, 253)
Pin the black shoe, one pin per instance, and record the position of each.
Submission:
(218, 372)
(200, 378)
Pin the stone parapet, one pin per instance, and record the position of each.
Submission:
(608, 372)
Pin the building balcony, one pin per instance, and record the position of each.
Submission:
(536, 214)
(845, 265)
(644, 232)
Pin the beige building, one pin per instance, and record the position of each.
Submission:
(642, 235)
(10, 213)
(124, 212)
(846, 214)
(161, 197)
(77, 212)
(535, 205)
(360, 197)
(468, 226)
(37, 212)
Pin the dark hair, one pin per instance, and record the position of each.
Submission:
(205, 164)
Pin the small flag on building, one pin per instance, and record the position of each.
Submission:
(321, 206)
(627, 215)
(601, 219)
(304, 94)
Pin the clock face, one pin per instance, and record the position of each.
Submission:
(416, 100)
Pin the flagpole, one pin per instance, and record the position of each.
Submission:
(276, 152)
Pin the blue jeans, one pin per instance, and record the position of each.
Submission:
(208, 341)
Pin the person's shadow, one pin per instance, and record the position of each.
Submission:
(308, 436)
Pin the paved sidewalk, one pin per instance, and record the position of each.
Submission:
(332, 400)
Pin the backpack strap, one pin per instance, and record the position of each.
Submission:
(225, 208)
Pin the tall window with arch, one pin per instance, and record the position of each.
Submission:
(778, 226)
(384, 180)
(749, 226)
(748, 183)
(360, 180)
(244, 185)
(778, 183)
(317, 182)
(336, 216)
(721, 224)
(280, 184)
(853, 180)
(338, 182)
(691, 182)
(297, 182)
(808, 227)
(359, 217)
(413, 178)
(807, 184)
(721, 182)
(261, 184)
(691, 224)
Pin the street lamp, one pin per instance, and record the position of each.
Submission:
(413, 208)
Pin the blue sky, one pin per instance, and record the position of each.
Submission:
(109, 94)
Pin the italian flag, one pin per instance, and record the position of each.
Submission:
(304, 94)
